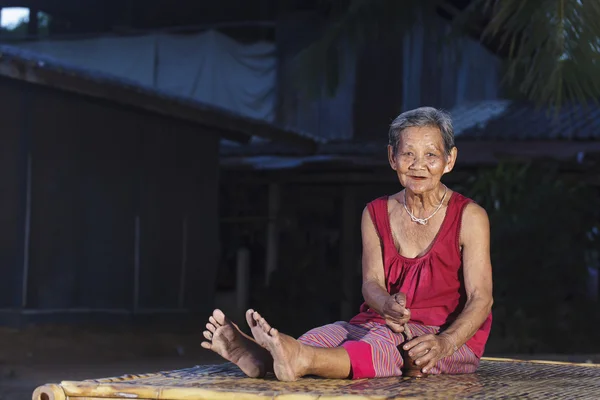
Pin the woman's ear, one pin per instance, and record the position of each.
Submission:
(451, 160)
(391, 157)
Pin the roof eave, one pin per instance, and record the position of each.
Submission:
(222, 122)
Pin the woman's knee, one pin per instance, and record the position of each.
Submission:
(330, 335)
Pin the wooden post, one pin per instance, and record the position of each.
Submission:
(242, 284)
(33, 24)
(184, 240)
(598, 280)
(27, 237)
(272, 231)
(596, 263)
(26, 138)
(136, 265)
(347, 253)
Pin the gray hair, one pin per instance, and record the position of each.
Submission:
(421, 117)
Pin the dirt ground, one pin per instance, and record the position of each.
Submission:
(36, 355)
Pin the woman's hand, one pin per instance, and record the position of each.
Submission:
(395, 312)
(391, 308)
(427, 350)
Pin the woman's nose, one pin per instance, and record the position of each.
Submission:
(418, 163)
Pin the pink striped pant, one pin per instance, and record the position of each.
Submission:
(373, 349)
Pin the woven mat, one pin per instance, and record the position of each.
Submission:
(495, 379)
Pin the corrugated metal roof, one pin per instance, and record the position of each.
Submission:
(286, 162)
(475, 115)
(524, 121)
(44, 70)
(485, 132)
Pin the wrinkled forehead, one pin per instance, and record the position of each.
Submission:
(421, 136)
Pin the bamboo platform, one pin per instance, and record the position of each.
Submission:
(496, 379)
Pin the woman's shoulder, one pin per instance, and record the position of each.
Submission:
(463, 207)
(470, 210)
(378, 207)
(378, 201)
(461, 200)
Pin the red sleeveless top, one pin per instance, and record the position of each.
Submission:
(433, 283)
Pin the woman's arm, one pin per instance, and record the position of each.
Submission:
(477, 273)
(373, 288)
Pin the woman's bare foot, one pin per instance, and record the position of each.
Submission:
(289, 355)
(227, 340)
(252, 318)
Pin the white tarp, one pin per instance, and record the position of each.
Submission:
(209, 67)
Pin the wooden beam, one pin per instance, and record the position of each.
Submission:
(486, 152)
(381, 176)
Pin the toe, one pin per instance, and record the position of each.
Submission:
(211, 327)
(256, 316)
(207, 335)
(219, 316)
(265, 325)
(250, 318)
(206, 345)
(214, 322)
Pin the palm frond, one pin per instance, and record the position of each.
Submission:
(551, 47)
(554, 47)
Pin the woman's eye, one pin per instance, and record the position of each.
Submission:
(430, 155)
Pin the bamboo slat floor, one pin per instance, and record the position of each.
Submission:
(495, 379)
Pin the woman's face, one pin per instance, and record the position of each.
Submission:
(421, 160)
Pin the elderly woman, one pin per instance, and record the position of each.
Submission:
(426, 274)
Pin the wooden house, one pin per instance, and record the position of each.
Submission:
(109, 189)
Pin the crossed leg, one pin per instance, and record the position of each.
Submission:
(340, 350)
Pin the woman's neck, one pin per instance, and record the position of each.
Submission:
(425, 202)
